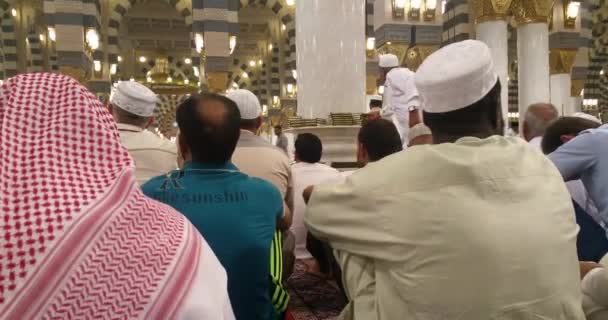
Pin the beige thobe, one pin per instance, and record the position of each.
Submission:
(153, 155)
(475, 230)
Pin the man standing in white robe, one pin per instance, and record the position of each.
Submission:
(400, 94)
(477, 226)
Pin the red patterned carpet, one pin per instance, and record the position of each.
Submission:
(312, 297)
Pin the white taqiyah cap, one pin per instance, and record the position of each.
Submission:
(135, 98)
(388, 61)
(248, 103)
(456, 76)
(375, 97)
(587, 116)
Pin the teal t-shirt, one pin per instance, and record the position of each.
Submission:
(237, 215)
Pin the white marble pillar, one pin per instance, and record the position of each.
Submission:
(577, 104)
(330, 37)
(495, 34)
(560, 93)
(533, 65)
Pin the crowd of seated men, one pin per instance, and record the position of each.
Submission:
(446, 218)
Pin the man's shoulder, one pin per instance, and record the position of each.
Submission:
(265, 150)
(148, 141)
(434, 166)
(258, 184)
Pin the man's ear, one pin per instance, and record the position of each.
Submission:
(150, 122)
(258, 123)
(183, 146)
(564, 138)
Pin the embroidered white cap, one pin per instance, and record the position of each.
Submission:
(135, 98)
(248, 103)
(456, 76)
(587, 116)
(388, 61)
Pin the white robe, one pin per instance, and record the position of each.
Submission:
(400, 94)
(478, 229)
(304, 175)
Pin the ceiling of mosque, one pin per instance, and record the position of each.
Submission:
(154, 24)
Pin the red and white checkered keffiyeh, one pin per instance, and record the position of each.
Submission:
(79, 240)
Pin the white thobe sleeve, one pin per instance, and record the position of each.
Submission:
(400, 93)
(345, 217)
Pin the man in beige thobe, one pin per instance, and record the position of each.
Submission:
(132, 106)
(476, 227)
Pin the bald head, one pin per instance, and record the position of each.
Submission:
(537, 119)
(209, 128)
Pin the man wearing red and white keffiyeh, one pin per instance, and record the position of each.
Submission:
(79, 239)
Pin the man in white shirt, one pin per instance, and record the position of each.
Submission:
(400, 94)
(307, 171)
(455, 230)
(132, 106)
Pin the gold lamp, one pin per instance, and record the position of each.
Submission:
(571, 9)
(399, 8)
(414, 12)
(429, 10)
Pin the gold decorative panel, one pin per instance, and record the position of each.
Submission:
(532, 11)
(489, 10)
(562, 60)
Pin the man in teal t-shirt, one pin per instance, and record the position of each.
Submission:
(235, 213)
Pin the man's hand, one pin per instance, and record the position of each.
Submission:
(587, 266)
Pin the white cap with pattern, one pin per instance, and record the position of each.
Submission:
(388, 61)
(456, 76)
(248, 103)
(135, 98)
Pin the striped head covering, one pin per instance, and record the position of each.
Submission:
(79, 239)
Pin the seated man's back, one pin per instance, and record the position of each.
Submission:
(237, 214)
(477, 226)
(463, 236)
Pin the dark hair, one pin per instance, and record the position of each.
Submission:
(309, 148)
(481, 119)
(375, 103)
(210, 125)
(380, 138)
(565, 125)
(126, 117)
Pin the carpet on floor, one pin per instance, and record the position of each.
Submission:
(313, 297)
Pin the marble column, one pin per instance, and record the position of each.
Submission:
(73, 55)
(532, 51)
(213, 22)
(491, 28)
(561, 61)
(330, 57)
